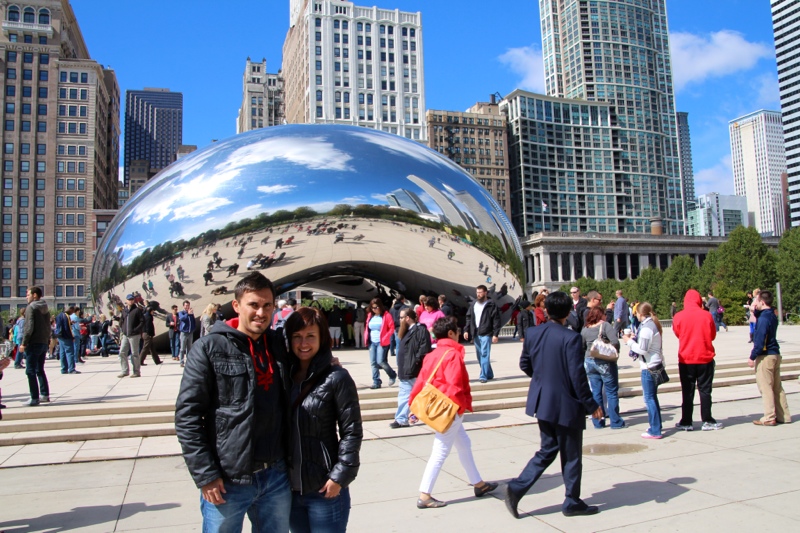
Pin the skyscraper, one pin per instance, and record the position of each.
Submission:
(716, 215)
(615, 52)
(476, 139)
(786, 28)
(687, 169)
(262, 98)
(363, 66)
(60, 154)
(759, 162)
(153, 127)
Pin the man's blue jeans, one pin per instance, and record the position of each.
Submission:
(34, 368)
(67, 355)
(650, 392)
(76, 348)
(377, 359)
(483, 347)
(267, 502)
(603, 374)
(313, 512)
(175, 344)
(401, 416)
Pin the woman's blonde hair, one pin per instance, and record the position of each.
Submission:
(210, 309)
(646, 310)
(102, 318)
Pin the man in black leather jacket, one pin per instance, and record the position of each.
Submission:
(415, 344)
(131, 326)
(230, 416)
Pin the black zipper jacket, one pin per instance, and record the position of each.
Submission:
(214, 415)
(331, 405)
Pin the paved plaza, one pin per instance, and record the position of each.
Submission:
(739, 479)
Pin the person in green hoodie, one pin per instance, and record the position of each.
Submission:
(35, 339)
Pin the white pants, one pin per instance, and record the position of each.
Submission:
(442, 444)
(358, 333)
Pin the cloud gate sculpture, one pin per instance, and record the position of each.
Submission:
(349, 211)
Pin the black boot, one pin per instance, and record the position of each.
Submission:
(751, 339)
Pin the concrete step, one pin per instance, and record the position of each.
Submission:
(59, 423)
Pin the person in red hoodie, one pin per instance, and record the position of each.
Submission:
(695, 329)
(452, 379)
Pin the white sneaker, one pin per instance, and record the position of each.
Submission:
(708, 426)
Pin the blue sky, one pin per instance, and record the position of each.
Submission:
(723, 58)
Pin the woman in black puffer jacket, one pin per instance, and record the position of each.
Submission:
(322, 399)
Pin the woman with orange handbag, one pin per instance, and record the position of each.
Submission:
(449, 375)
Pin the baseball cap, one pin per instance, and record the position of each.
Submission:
(129, 297)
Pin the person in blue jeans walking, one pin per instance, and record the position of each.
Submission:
(646, 348)
(326, 427)
(603, 375)
(378, 336)
(174, 333)
(483, 327)
(66, 342)
(415, 344)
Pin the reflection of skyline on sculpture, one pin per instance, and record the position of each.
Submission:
(296, 178)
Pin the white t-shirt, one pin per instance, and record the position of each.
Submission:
(478, 312)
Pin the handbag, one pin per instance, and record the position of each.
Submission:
(433, 407)
(602, 348)
(659, 374)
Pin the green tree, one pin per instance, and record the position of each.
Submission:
(706, 276)
(788, 269)
(678, 278)
(744, 262)
(648, 286)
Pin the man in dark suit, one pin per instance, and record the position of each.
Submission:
(560, 398)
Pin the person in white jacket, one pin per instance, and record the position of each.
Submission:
(646, 348)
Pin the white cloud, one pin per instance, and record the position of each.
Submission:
(718, 178)
(199, 208)
(133, 246)
(768, 91)
(528, 63)
(275, 189)
(696, 58)
(312, 152)
(401, 146)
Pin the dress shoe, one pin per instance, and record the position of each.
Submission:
(122, 375)
(397, 425)
(484, 489)
(74, 372)
(767, 423)
(512, 500)
(580, 511)
(159, 362)
(375, 387)
(430, 503)
(136, 375)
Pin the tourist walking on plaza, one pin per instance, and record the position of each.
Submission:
(35, 338)
(696, 330)
(415, 343)
(621, 312)
(232, 389)
(559, 397)
(174, 333)
(398, 305)
(207, 319)
(131, 327)
(186, 325)
(766, 359)
(378, 336)
(324, 400)
(603, 375)
(66, 347)
(483, 327)
(525, 318)
(646, 348)
(431, 314)
(148, 334)
(446, 364)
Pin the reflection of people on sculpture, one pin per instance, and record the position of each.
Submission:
(451, 254)
(233, 269)
(220, 290)
(339, 238)
(208, 276)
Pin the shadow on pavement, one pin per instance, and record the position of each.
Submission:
(81, 517)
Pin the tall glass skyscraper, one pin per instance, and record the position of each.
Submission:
(615, 52)
(153, 127)
(786, 27)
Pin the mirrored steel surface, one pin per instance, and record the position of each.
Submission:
(351, 211)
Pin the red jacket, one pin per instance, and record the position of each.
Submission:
(695, 329)
(451, 378)
(387, 329)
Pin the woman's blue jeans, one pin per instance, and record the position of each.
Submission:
(377, 359)
(604, 375)
(313, 512)
(650, 391)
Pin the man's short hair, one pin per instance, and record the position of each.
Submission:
(36, 291)
(187, 302)
(483, 287)
(766, 297)
(443, 325)
(442, 298)
(410, 313)
(558, 304)
(291, 301)
(253, 282)
(591, 295)
(174, 306)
